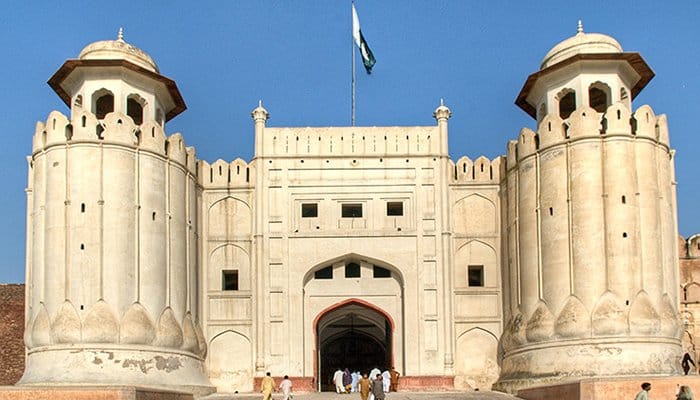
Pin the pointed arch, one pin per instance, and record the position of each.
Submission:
(230, 362)
(474, 215)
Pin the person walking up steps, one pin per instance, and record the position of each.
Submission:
(267, 386)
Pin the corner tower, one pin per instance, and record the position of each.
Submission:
(591, 281)
(111, 239)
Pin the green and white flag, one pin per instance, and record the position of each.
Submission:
(367, 56)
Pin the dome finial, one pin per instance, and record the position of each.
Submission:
(579, 29)
(120, 35)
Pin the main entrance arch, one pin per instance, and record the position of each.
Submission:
(353, 309)
(352, 334)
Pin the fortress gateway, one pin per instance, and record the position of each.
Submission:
(349, 246)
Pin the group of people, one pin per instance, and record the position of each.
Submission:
(267, 386)
(369, 386)
(682, 393)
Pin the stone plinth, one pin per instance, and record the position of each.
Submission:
(89, 393)
(611, 389)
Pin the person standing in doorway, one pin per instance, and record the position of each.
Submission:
(286, 388)
(338, 381)
(377, 387)
(644, 393)
(267, 386)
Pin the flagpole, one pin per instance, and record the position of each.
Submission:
(352, 54)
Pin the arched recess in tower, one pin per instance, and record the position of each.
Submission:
(353, 335)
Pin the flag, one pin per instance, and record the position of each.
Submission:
(367, 56)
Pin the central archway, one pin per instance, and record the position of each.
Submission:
(352, 334)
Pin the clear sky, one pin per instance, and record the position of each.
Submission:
(295, 56)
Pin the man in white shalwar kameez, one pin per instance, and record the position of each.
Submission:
(338, 381)
(386, 380)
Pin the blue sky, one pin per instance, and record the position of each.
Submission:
(295, 56)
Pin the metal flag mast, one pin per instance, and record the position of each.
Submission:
(352, 54)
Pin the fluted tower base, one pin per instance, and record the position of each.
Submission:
(116, 365)
(608, 357)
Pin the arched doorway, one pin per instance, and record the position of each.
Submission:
(355, 335)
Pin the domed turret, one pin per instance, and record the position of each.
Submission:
(118, 50)
(115, 76)
(585, 70)
(581, 43)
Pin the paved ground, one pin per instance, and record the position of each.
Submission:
(390, 396)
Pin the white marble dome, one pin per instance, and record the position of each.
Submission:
(118, 50)
(581, 43)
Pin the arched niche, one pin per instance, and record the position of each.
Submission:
(474, 215)
(469, 258)
(476, 360)
(228, 218)
(230, 362)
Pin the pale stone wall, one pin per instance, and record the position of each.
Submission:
(583, 205)
(112, 228)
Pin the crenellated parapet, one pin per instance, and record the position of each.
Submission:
(352, 141)
(222, 174)
(586, 123)
(116, 129)
(482, 170)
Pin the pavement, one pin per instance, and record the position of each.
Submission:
(471, 395)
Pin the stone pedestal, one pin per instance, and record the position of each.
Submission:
(89, 393)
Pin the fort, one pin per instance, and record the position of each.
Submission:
(355, 247)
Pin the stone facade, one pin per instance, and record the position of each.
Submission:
(11, 327)
(351, 246)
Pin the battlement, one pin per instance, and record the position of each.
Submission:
(115, 129)
(482, 170)
(356, 141)
(222, 174)
(586, 123)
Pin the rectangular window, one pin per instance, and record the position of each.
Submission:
(380, 272)
(476, 275)
(229, 279)
(352, 270)
(394, 208)
(352, 210)
(324, 273)
(309, 210)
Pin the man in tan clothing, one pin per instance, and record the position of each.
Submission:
(267, 386)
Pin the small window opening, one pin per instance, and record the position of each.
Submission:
(351, 210)
(551, 211)
(84, 121)
(624, 200)
(475, 275)
(324, 273)
(379, 272)
(394, 208)
(597, 99)
(82, 246)
(134, 109)
(309, 210)
(104, 105)
(624, 234)
(623, 94)
(567, 105)
(78, 103)
(229, 279)
(153, 216)
(247, 175)
(82, 207)
(352, 270)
